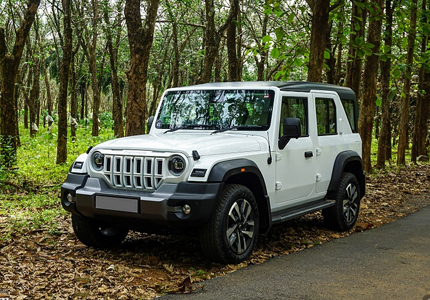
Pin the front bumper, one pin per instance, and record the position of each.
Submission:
(93, 198)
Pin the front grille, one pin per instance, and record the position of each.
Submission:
(146, 173)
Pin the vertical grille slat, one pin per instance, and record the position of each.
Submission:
(145, 173)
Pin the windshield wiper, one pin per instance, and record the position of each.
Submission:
(189, 126)
(241, 127)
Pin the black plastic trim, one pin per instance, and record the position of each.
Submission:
(300, 210)
(223, 170)
(162, 206)
(340, 163)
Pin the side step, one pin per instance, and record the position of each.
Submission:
(298, 211)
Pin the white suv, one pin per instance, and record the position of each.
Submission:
(229, 159)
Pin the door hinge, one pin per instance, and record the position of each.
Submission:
(319, 177)
(278, 185)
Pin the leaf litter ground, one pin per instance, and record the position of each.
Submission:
(41, 265)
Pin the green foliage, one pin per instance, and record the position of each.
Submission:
(29, 192)
(106, 119)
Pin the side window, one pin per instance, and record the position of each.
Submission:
(350, 108)
(326, 116)
(295, 107)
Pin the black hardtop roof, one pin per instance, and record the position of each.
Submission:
(294, 86)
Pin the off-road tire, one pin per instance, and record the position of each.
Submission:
(96, 233)
(232, 233)
(343, 215)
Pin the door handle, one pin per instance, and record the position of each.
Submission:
(309, 154)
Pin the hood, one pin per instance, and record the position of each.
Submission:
(205, 144)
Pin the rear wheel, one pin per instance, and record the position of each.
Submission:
(97, 233)
(232, 233)
(343, 215)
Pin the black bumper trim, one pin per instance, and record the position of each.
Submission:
(161, 206)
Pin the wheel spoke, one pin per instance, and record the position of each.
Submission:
(249, 233)
(231, 230)
(233, 209)
(241, 245)
(247, 209)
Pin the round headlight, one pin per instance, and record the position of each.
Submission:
(176, 165)
(98, 160)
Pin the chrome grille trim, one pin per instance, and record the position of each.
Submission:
(137, 172)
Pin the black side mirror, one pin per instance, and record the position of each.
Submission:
(149, 124)
(292, 130)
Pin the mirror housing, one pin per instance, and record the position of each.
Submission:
(292, 130)
(149, 124)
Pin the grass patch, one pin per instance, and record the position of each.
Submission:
(29, 192)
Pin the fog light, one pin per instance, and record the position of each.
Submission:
(69, 197)
(186, 209)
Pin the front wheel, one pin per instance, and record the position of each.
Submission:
(96, 233)
(343, 215)
(232, 233)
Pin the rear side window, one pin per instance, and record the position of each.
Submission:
(350, 109)
(326, 116)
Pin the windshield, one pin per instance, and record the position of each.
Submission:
(216, 109)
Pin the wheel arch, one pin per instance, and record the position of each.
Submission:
(347, 161)
(246, 173)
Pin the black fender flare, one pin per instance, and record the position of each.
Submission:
(348, 161)
(222, 171)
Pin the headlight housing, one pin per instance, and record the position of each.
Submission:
(177, 165)
(98, 160)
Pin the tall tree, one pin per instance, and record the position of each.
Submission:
(89, 45)
(367, 108)
(9, 64)
(212, 37)
(320, 26)
(140, 40)
(384, 142)
(423, 99)
(113, 58)
(64, 82)
(404, 108)
(355, 52)
(232, 49)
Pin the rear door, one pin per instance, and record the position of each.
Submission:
(329, 142)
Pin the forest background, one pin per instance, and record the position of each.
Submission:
(82, 62)
(75, 73)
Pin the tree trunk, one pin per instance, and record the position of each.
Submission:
(213, 37)
(404, 108)
(9, 64)
(384, 142)
(320, 14)
(367, 108)
(33, 99)
(331, 61)
(423, 99)
(48, 90)
(140, 41)
(233, 63)
(263, 51)
(82, 92)
(92, 60)
(355, 61)
(64, 81)
(175, 67)
(73, 100)
(113, 58)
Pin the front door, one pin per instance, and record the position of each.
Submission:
(296, 163)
